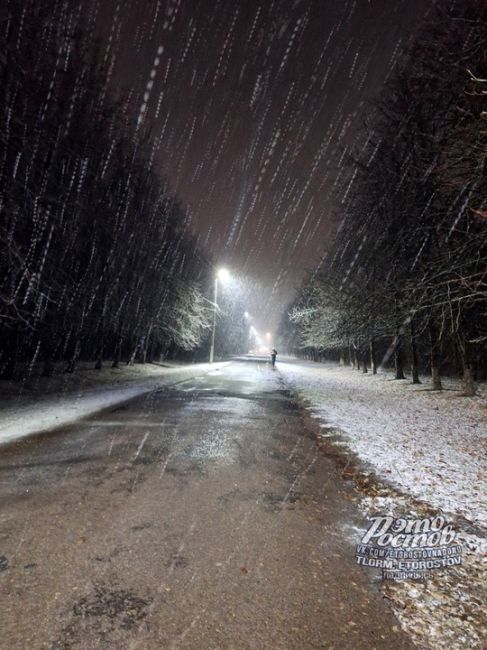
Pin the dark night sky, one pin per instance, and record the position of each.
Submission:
(252, 106)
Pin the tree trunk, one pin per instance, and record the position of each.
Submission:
(150, 351)
(464, 348)
(468, 381)
(48, 368)
(99, 360)
(71, 365)
(434, 357)
(158, 352)
(101, 339)
(118, 353)
(9, 361)
(132, 352)
(398, 357)
(117, 356)
(364, 361)
(414, 354)
(373, 360)
(143, 353)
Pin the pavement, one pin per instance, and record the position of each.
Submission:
(45, 403)
(197, 516)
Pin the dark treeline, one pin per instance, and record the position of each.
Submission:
(406, 279)
(95, 263)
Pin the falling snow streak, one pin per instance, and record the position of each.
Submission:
(239, 98)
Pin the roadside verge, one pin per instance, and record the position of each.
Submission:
(54, 405)
(412, 454)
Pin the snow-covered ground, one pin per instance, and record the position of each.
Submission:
(45, 403)
(432, 445)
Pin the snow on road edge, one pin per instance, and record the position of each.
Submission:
(28, 418)
(429, 444)
(432, 447)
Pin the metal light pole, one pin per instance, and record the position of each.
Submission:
(223, 275)
(212, 347)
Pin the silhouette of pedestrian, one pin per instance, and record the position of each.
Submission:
(273, 356)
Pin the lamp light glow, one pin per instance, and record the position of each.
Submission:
(223, 275)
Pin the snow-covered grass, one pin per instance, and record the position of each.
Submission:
(429, 444)
(430, 447)
(31, 385)
(41, 404)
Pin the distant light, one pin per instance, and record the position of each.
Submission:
(246, 314)
(268, 334)
(223, 275)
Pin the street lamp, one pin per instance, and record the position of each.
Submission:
(268, 335)
(223, 275)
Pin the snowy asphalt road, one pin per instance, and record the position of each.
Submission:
(201, 517)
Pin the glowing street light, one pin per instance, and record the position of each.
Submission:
(224, 276)
(268, 336)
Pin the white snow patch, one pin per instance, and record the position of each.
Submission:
(27, 417)
(429, 444)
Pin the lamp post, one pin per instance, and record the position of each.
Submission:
(221, 275)
(268, 335)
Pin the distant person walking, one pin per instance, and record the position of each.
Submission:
(273, 356)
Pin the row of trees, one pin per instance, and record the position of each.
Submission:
(95, 261)
(406, 277)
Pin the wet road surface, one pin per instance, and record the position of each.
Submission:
(197, 517)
